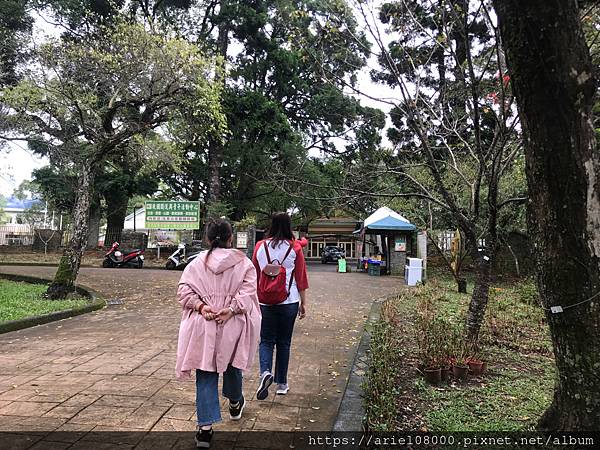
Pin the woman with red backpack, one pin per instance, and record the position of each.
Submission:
(282, 284)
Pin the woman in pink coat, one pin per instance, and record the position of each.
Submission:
(220, 326)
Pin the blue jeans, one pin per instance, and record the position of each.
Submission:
(276, 331)
(208, 408)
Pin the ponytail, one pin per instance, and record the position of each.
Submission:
(218, 234)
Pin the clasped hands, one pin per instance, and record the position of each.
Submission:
(220, 316)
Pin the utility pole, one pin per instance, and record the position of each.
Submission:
(45, 213)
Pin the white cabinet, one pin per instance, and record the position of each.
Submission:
(413, 271)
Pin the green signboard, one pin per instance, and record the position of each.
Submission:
(172, 215)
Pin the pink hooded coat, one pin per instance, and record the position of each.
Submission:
(228, 278)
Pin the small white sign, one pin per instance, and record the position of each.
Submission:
(400, 244)
(242, 239)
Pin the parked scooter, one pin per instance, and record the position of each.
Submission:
(126, 258)
(183, 256)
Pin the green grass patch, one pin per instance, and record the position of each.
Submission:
(506, 399)
(19, 300)
(511, 396)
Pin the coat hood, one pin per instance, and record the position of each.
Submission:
(222, 259)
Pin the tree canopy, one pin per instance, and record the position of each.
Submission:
(89, 101)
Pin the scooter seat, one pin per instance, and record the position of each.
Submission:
(127, 251)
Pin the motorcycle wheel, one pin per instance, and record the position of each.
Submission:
(170, 265)
(107, 263)
(140, 264)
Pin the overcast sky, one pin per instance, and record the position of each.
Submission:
(17, 163)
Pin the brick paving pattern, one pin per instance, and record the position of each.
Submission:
(114, 369)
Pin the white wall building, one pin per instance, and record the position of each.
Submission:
(136, 222)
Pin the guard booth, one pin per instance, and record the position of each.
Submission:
(387, 237)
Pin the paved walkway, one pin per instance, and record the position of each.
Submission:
(114, 369)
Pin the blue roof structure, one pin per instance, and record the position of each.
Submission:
(386, 219)
(389, 223)
(15, 203)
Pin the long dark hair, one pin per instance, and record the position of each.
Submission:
(280, 229)
(218, 233)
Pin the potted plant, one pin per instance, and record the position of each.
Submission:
(428, 340)
(432, 372)
(475, 367)
(460, 367)
(446, 371)
(475, 362)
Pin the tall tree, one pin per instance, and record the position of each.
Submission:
(456, 130)
(15, 23)
(455, 127)
(120, 179)
(279, 101)
(84, 101)
(555, 85)
(125, 176)
(215, 148)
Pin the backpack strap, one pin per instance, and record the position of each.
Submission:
(289, 250)
(266, 246)
(293, 270)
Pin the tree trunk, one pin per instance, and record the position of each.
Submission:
(441, 63)
(553, 81)
(461, 282)
(68, 266)
(94, 224)
(215, 149)
(480, 296)
(214, 170)
(116, 205)
(461, 285)
(459, 34)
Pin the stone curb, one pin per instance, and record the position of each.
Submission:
(35, 264)
(86, 266)
(96, 303)
(351, 413)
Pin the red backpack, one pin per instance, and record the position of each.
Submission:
(272, 286)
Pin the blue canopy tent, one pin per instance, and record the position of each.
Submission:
(388, 224)
(387, 219)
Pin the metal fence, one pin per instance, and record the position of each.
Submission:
(25, 235)
(16, 235)
(445, 237)
(445, 240)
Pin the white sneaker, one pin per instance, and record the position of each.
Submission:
(282, 389)
(263, 387)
